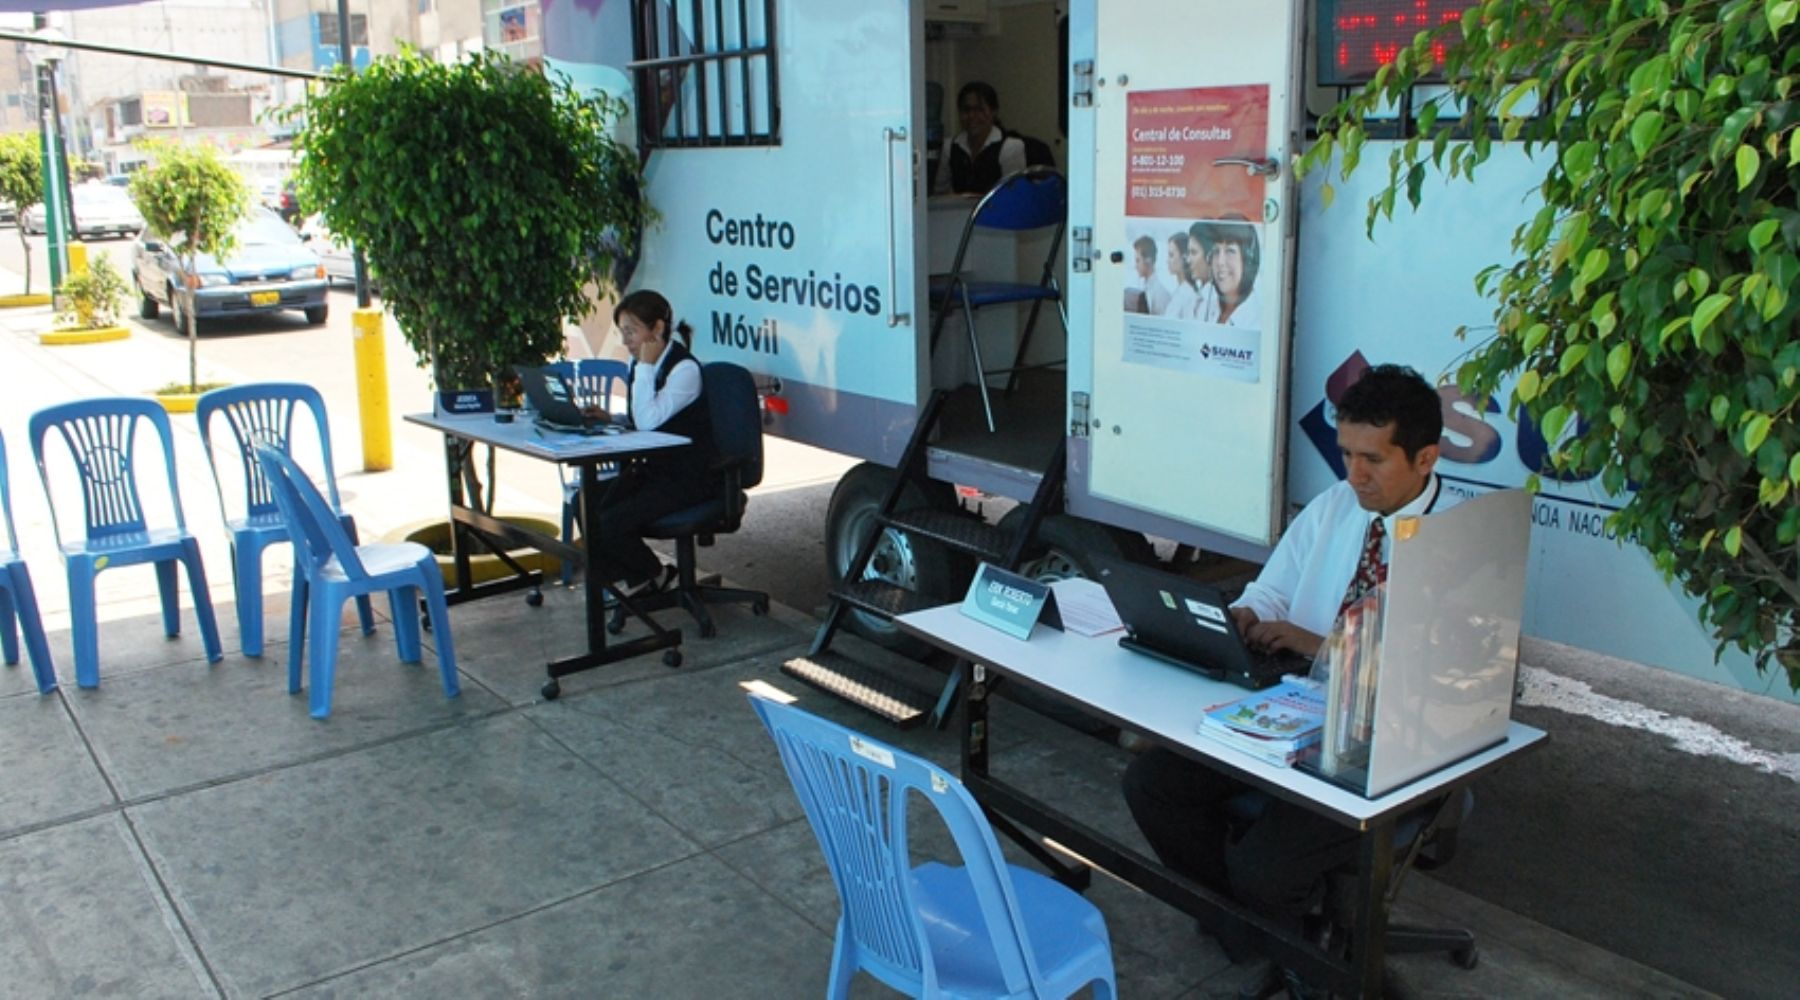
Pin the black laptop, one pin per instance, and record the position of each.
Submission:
(1189, 624)
(555, 404)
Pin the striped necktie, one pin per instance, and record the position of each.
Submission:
(1371, 569)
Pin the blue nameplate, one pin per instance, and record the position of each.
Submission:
(460, 402)
(1010, 602)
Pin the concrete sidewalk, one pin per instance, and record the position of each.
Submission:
(187, 830)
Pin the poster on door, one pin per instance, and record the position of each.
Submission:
(1194, 220)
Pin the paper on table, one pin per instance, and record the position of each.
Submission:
(1085, 608)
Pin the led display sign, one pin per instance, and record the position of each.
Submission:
(1358, 37)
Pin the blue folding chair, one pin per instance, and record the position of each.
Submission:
(1033, 198)
(101, 435)
(593, 381)
(985, 929)
(329, 569)
(263, 414)
(18, 600)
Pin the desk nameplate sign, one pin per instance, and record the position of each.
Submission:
(461, 402)
(1010, 602)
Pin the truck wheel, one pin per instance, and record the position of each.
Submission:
(1065, 546)
(146, 305)
(923, 567)
(177, 315)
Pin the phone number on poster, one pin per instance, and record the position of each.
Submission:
(1158, 159)
(1157, 191)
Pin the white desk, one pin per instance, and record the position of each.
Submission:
(586, 454)
(1165, 703)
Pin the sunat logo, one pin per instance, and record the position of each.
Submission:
(1468, 438)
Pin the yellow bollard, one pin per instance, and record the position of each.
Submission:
(372, 390)
(77, 258)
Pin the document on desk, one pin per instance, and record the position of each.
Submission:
(1086, 610)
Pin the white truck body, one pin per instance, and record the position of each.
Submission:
(805, 260)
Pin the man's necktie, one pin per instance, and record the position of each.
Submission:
(1371, 569)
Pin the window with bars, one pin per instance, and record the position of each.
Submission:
(705, 73)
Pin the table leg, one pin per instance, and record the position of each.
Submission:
(1368, 950)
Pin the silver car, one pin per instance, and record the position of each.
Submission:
(101, 210)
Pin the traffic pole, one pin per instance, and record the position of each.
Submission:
(372, 390)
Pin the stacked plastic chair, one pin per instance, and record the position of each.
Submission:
(18, 601)
(329, 569)
(102, 437)
(985, 929)
(263, 414)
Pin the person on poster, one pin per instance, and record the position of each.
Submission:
(1205, 307)
(1180, 304)
(1146, 294)
(984, 151)
(1233, 260)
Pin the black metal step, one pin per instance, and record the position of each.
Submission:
(955, 529)
(880, 597)
(864, 686)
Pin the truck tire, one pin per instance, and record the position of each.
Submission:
(1065, 546)
(925, 568)
(147, 308)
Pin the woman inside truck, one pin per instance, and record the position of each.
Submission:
(1233, 258)
(666, 395)
(983, 152)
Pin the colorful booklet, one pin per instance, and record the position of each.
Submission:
(1274, 724)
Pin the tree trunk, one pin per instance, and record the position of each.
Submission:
(192, 322)
(25, 244)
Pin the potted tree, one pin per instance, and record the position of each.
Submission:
(88, 306)
(494, 202)
(22, 186)
(189, 197)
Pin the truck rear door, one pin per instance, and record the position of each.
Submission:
(792, 253)
(1194, 107)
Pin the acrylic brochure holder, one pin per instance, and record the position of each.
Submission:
(1420, 674)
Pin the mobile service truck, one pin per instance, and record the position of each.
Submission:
(791, 150)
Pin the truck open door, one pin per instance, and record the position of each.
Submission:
(782, 162)
(1191, 247)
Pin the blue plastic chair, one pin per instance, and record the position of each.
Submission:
(329, 569)
(985, 929)
(18, 600)
(101, 435)
(592, 380)
(1033, 198)
(263, 414)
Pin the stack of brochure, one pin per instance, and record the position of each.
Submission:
(1276, 724)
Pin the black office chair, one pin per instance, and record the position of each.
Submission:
(1424, 839)
(736, 412)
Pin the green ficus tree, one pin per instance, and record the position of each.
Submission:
(21, 183)
(192, 199)
(1648, 321)
(493, 201)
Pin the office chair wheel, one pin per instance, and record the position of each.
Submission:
(1466, 958)
(672, 658)
(551, 690)
(535, 598)
(616, 623)
(759, 607)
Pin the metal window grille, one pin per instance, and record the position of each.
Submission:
(705, 73)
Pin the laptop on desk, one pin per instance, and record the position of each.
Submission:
(555, 404)
(1188, 623)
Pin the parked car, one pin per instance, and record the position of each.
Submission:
(269, 270)
(101, 210)
(335, 254)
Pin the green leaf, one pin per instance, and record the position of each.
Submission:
(1699, 280)
(1721, 409)
(1756, 431)
(1763, 232)
(1528, 386)
(1534, 336)
(1734, 540)
(1780, 14)
(1748, 162)
(1707, 311)
(1327, 194)
(1553, 422)
(1514, 95)
(1645, 131)
(1575, 355)
(1794, 468)
(1618, 363)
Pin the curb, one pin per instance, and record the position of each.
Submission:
(19, 301)
(98, 335)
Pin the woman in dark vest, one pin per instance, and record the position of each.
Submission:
(666, 395)
(976, 158)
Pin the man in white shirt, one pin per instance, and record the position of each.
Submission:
(1388, 427)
